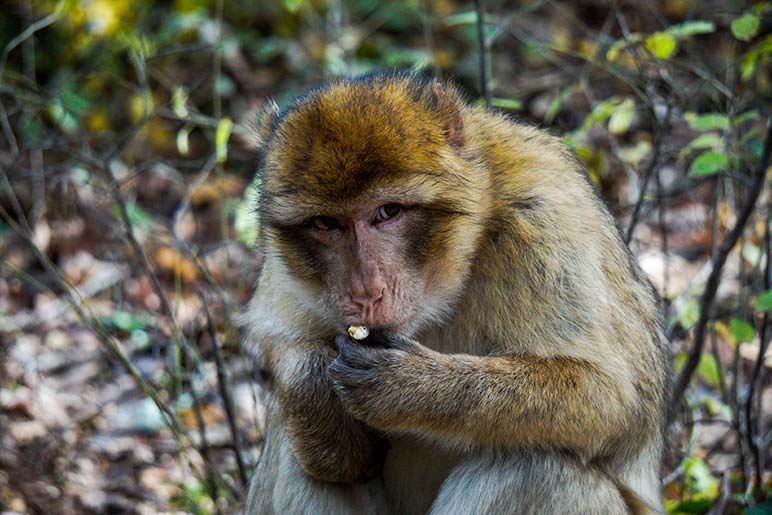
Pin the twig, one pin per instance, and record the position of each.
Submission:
(659, 128)
(211, 483)
(756, 444)
(483, 47)
(718, 262)
(663, 231)
(28, 32)
(222, 383)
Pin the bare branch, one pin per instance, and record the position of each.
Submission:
(483, 49)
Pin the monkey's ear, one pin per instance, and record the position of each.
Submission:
(446, 100)
(258, 124)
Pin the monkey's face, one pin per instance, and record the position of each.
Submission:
(367, 201)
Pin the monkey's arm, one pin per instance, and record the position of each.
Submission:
(330, 444)
(511, 401)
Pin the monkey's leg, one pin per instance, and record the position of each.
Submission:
(279, 485)
(527, 483)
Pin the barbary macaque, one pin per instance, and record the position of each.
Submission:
(515, 361)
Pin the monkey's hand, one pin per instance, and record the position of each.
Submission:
(376, 381)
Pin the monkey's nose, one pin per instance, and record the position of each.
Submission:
(367, 304)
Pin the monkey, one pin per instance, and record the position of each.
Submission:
(516, 361)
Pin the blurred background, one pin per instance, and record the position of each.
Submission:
(127, 223)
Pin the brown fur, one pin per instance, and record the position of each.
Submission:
(540, 341)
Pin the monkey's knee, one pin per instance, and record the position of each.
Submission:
(527, 483)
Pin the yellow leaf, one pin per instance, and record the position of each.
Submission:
(661, 44)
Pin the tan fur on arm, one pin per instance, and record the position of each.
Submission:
(514, 401)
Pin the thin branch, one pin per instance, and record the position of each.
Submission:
(483, 48)
(222, 382)
(659, 129)
(718, 262)
(756, 444)
(28, 32)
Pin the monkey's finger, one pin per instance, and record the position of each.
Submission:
(393, 341)
(344, 375)
(356, 355)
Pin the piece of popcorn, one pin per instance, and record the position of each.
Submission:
(358, 332)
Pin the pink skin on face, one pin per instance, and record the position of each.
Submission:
(363, 246)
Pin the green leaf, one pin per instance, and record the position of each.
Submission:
(140, 338)
(689, 313)
(127, 321)
(222, 134)
(699, 478)
(746, 116)
(556, 104)
(756, 57)
(661, 44)
(691, 28)
(464, 18)
(707, 369)
(179, 101)
(742, 331)
(760, 8)
(707, 121)
(245, 220)
(601, 112)
(717, 408)
(764, 302)
(709, 140)
(746, 27)
(511, 104)
(183, 145)
(622, 117)
(634, 154)
(708, 163)
(620, 44)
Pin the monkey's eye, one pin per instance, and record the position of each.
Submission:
(325, 223)
(387, 211)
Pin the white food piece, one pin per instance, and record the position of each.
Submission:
(358, 332)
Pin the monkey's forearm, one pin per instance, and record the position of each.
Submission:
(532, 401)
(329, 443)
(510, 401)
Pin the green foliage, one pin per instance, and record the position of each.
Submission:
(709, 140)
(691, 28)
(622, 117)
(689, 313)
(707, 370)
(557, 104)
(764, 302)
(222, 134)
(742, 331)
(702, 488)
(511, 104)
(708, 163)
(707, 122)
(746, 27)
(757, 57)
(246, 222)
(661, 44)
